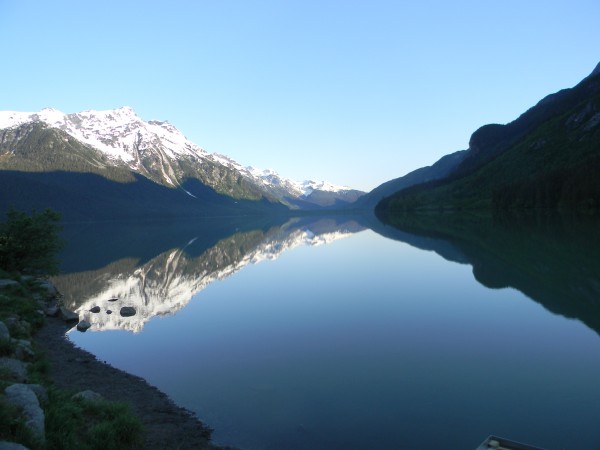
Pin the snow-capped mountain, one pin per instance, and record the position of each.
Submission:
(160, 152)
(166, 283)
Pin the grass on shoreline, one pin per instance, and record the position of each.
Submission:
(71, 423)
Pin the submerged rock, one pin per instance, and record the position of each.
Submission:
(127, 311)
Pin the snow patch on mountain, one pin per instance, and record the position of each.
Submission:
(124, 137)
(118, 133)
(273, 180)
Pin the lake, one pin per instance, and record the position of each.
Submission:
(343, 333)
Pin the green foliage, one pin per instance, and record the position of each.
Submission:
(34, 147)
(74, 424)
(576, 188)
(546, 159)
(89, 425)
(7, 347)
(13, 427)
(18, 301)
(29, 243)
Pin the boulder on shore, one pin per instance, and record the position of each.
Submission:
(5, 283)
(88, 395)
(5, 445)
(24, 397)
(68, 315)
(14, 368)
(49, 289)
(52, 310)
(24, 350)
(18, 326)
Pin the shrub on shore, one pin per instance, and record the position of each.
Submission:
(28, 251)
(29, 244)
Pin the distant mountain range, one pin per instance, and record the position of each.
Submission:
(440, 169)
(68, 153)
(548, 158)
(112, 164)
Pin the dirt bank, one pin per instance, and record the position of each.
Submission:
(167, 426)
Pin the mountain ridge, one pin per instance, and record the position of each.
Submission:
(160, 152)
(546, 158)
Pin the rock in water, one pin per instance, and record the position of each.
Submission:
(83, 325)
(127, 311)
(95, 309)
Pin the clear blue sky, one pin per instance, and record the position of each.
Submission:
(354, 92)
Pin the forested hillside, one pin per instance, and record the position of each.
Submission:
(547, 158)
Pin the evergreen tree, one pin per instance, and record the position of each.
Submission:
(30, 243)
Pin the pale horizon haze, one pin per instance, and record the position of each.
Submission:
(352, 92)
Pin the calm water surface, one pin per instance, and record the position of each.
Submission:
(361, 342)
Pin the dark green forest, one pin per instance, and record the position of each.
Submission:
(29, 243)
(548, 158)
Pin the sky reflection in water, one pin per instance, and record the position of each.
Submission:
(365, 343)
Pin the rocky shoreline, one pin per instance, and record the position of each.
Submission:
(166, 425)
(72, 369)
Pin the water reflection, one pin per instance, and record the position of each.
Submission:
(165, 283)
(365, 343)
(552, 259)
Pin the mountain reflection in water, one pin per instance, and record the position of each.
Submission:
(165, 283)
(366, 343)
(552, 259)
